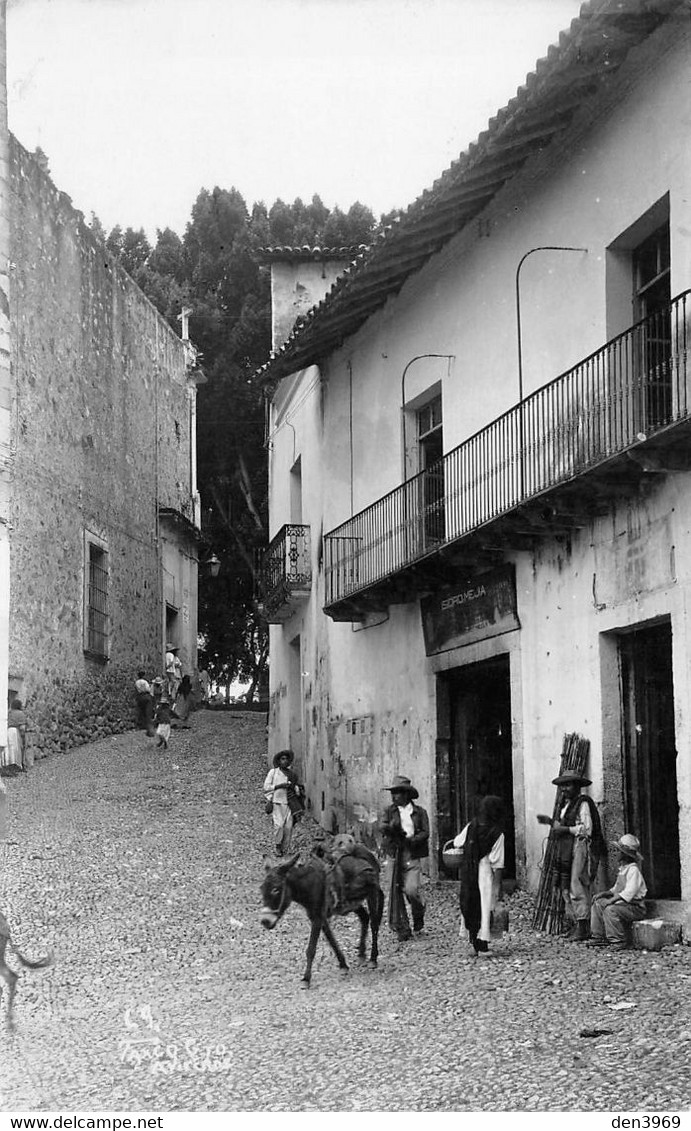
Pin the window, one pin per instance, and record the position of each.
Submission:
(652, 296)
(429, 430)
(651, 269)
(640, 363)
(96, 619)
(430, 451)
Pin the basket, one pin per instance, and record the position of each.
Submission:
(451, 857)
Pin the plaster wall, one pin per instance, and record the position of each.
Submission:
(628, 568)
(180, 592)
(101, 429)
(340, 665)
(297, 286)
(583, 192)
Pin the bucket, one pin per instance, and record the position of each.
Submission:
(499, 922)
(653, 934)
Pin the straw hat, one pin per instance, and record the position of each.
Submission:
(628, 845)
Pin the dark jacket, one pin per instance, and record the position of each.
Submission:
(394, 837)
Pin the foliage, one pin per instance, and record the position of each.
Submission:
(213, 270)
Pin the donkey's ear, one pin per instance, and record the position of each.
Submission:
(287, 864)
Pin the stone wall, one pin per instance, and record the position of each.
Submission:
(81, 709)
(5, 377)
(101, 439)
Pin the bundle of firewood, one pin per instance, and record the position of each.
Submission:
(549, 909)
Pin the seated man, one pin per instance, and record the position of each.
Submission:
(613, 911)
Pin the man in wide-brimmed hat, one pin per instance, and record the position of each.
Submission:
(580, 847)
(284, 799)
(405, 830)
(613, 911)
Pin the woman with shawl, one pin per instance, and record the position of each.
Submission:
(482, 841)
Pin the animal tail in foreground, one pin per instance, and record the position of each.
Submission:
(35, 963)
(8, 975)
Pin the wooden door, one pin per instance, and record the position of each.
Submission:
(650, 756)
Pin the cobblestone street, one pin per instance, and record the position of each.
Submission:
(141, 871)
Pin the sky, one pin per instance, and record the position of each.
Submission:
(139, 104)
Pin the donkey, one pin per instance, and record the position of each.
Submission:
(352, 885)
(8, 975)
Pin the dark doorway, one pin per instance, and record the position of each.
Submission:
(479, 748)
(171, 624)
(650, 755)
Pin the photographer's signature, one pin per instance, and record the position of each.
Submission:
(144, 1047)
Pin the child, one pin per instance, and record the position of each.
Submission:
(613, 911)
(162, 718)
(145, 703)
(13, 761)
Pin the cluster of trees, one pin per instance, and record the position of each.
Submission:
(213, 270)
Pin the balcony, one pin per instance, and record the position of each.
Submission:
(545, 467)
(285, 573)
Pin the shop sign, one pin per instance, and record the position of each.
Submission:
(480, 607)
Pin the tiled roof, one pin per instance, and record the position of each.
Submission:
(292, 254)
(575, 70)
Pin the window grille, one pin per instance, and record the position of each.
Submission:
(97, 601)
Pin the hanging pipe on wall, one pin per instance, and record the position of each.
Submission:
(446, 356)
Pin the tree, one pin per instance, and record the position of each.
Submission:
(97, 228)
(214, 271)
(131, 248)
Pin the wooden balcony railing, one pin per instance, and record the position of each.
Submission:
(285, 572)
(633, 387)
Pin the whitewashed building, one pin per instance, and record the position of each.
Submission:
(480, 484)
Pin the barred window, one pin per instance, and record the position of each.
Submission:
(96, 620)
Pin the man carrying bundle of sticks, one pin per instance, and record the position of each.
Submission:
(579, 847)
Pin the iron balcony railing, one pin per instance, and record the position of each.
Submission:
(634, 386)
(285, 566)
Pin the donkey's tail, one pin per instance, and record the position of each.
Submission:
(33, 964)
(380, 904)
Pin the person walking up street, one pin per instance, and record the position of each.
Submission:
(482, 865)
(613, 911)
(162, 719)
(405, 830)
(145, 703)
(205, 684)
(14, 758)
(182, 705)
(173, 670)
(281, 787)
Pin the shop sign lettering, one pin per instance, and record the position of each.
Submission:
(476, 609)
